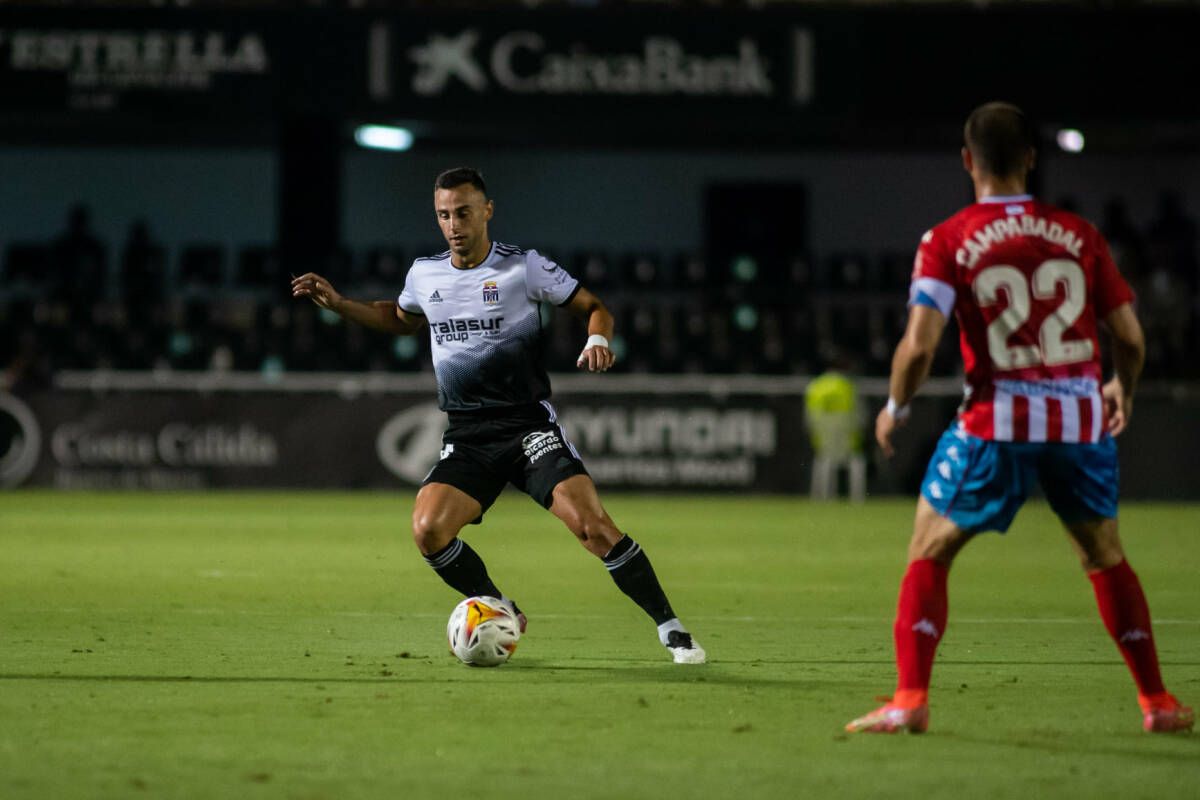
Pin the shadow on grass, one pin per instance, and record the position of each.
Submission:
(1135, 744)
(600, 661)
(549, 673)
(199, 679)
(616, 669)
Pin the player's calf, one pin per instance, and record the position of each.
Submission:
(631, 570)
(463, 570)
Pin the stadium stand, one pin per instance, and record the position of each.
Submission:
(64, 305)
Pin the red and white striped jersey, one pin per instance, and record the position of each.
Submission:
(1028, 284)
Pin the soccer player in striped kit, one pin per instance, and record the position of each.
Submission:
(480, 300)
(1029, 285)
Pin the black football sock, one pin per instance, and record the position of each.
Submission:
(631, 570)
(462, 568)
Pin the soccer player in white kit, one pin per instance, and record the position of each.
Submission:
(481, 302)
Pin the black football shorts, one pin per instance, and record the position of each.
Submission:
(523, 445)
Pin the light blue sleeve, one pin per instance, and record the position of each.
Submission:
(933, 293)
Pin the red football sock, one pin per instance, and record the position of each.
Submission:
(920, 622)
(1127, 618)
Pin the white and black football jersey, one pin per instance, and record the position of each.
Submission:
(484, 324)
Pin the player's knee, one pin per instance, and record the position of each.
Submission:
(1098, 544)
(1101, 556)
(935, 546)
(595, 533)
(430, 533)
(935, 537)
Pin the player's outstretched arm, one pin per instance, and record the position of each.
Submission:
(597, 355)
(910, 367)
(1128, 355)
(380, 315)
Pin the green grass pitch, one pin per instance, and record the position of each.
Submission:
(292, 646)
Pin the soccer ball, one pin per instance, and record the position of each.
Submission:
(483, 631)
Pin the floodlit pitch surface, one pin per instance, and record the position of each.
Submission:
(288, 645)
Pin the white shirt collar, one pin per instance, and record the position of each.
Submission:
(1012, 198)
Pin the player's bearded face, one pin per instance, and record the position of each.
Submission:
(462, 213)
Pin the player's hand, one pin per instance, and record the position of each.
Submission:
(317, 289)
(596, 358)
(885, 428)
(1118, 407)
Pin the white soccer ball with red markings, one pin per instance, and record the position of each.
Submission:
(483, 631)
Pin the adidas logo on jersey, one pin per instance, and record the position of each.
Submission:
(436, 297)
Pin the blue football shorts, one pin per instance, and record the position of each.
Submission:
(980, 484)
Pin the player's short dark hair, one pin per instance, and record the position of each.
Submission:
(999, 136)
(458, 176)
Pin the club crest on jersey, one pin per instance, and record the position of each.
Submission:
(491, 293)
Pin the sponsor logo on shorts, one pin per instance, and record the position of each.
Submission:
(540, 443)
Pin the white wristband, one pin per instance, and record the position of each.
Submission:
(596, 340)
(897, 411)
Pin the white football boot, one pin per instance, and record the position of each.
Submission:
(684, 648)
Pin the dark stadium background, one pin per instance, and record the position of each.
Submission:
(164, 167)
